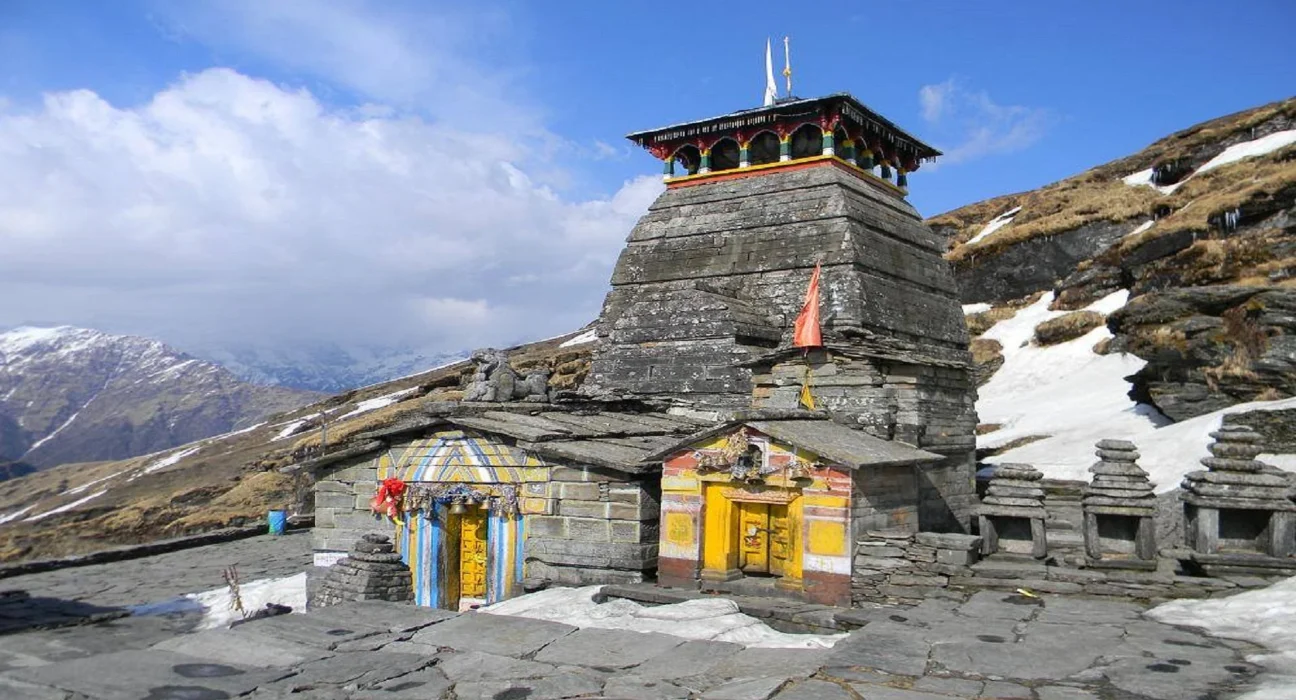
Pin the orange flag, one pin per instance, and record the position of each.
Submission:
(806, 333)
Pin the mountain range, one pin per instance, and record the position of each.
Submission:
(78, 395)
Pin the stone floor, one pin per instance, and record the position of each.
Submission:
(991, 645)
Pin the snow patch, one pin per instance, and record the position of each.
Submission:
(223, 436)
(1141, 228)
(715, 619)
(14, 515)
(1249, 149)
(997, 223)
(1073, 398)
(215, 603)
(588, 336)
(65, 508)
(969, 309)
(56, 431)
(376, 403)
(86, 486)
(1266, 616)
(167, 461)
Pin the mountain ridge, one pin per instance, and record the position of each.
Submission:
(72, 394)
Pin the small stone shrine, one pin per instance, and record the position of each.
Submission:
(1012, 513)
(373, 571)
(1239, 516)
(1119, 510)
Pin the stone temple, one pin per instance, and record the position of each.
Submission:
(705, 449)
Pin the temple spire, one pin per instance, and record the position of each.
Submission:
(787, 65)
(771, 89)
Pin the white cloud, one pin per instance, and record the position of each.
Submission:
(232, 209)
(967, 124)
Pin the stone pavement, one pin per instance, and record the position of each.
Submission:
(993, 645)
(164, 576)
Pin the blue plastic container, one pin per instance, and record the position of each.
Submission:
(278, 521)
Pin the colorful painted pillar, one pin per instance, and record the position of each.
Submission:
(744, 154)
(679, 558)
(828, 149)
(902, 179)
(865, 159)
(668, 171)
(848, 151)
(785, 147)
(705, 167)
(885, 171)
(505, 535)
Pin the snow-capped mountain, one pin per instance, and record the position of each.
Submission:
(323, 367)
(78, 395)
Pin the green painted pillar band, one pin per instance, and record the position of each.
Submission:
(706, 162)
(886, 171)
(828, 149)
(785, 149)
(902, 179)
(744, 157)
(866, 160)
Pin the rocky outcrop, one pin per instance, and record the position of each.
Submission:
(1208, 348)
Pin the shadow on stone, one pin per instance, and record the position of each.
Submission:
(19, 612)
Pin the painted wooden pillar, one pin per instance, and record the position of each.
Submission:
(885, 172)
(785, 147)
(719, 533)
(504, 558)
(744, 154)
(848, 151)
(419, 543)
(668, 170)
(827, 555)
(828, 145)
(902, 178)
(865, 159)
(705, 167)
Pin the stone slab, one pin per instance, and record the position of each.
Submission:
(692, 658)
(640, 688)
(361, 669)
(504, 635)
(242, 647)
(479, 666)
(131, 675)
(308, 629)
(392, 617)
(567, 685)
(882, 692)
(958, 687)
(747, 689)
(427, 684)
(814, 690)
(891, 649)
(606, 649)
(756, 662)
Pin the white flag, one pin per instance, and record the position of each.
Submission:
(771, 90)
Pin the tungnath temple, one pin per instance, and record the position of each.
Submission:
(705, 449)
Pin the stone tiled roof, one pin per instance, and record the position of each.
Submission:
(853, 449)
(620, 440)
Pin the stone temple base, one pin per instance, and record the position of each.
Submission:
(373, 571)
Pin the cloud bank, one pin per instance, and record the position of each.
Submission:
(231, 209)
(967, 124)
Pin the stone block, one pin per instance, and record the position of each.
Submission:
(570, 474)
(957, 557)
(546, 526)
(589, 530)
(579, 491)
(583, 509)
(624, 531)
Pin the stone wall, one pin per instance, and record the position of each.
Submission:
(898, 567)
(342, 514)
(600, 527)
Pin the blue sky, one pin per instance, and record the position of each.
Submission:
(521, 107)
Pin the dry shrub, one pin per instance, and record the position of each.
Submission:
(1166, 338)
(1248, 342)
(983, 321)
(1066, 327)
(985, 351)
(987, 428)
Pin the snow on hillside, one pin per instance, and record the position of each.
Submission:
(995, 224)
(1076, 397)
(1239, 151)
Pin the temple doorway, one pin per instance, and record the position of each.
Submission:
(466, 566)
(765, 539)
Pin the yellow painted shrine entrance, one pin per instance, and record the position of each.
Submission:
(752, 531)
(466, 549)
(765, 539)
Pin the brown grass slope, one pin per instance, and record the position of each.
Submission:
(1099, 194)
(226, 480)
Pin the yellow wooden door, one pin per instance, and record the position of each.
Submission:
(781, 544)
(753, 538)
(472, 555)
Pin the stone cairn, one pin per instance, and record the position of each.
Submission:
(373, 571)
(1120, 488)
(1235, 480)
(1014, 492)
